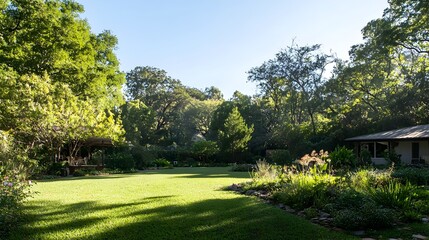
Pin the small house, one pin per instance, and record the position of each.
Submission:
(411, 144)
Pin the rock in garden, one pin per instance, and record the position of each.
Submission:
(289, 209)
(359, 233)
(324, 215)
(419, 237)
(425, 220)
(234, 187)
(250, 192)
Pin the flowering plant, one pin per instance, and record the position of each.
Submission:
(14, 186)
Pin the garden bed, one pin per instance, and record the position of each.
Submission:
(358, 201)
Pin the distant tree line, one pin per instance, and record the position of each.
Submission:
(60, 84)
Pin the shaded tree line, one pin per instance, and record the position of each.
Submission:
(60, 84)
(307, 99)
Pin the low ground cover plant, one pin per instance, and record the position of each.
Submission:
(355, 199)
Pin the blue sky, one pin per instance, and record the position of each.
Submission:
(215, 42)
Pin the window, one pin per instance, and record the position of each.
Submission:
(415, 150)
(376, 149)
(369, 147)
(380, 149)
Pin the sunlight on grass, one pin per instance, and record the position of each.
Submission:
(166, 204)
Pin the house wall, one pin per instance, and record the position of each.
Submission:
(404, 149)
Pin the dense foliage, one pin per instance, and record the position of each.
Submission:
(361, 199)
(307, 99)
(60, 85)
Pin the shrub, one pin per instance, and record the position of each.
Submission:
(394, 195)
(303, 190)
(120, 159)
(264, 177)
(392, 158)
(280, 156)
(414, 175)
(58, 168)
(79, 173)
(367, 216)
(265, 172)
(242, 167)
(349, 199)
(142, 157)
(365, 158)
(349, 219)
(15, 167)
(161, 162)
(205, 150)
(342, 157)
(363, 179)
(315, 161)
(355, 210)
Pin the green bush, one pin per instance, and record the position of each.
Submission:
(143, 158)
(121, 159)
(265, 172)
(392, 158)
(365, 158)
(414, 175)
(15, 167)
(303, 190)
(79, 173)
(342, 157)
(242, 168)
(355, 210)
(58, 168)
(394, 195)
(161, 162)
(368, 215)
(205, 150)
(349, 219)
(280, 157)
(363, 179)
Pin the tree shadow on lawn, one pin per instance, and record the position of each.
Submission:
(237, 218)
(66, 217)
(72, 178)
(200, 172)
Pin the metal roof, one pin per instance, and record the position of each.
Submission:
(415, 132)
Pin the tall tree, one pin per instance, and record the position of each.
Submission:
(235, 134)
(213, 93)
(48, 37)
(138, 121)
(163, 94)
(59, 82)
(291, 82)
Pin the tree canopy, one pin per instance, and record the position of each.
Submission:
(60, 84)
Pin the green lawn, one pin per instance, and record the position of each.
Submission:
(182, 203)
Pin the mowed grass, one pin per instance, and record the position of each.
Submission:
(182, 203)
